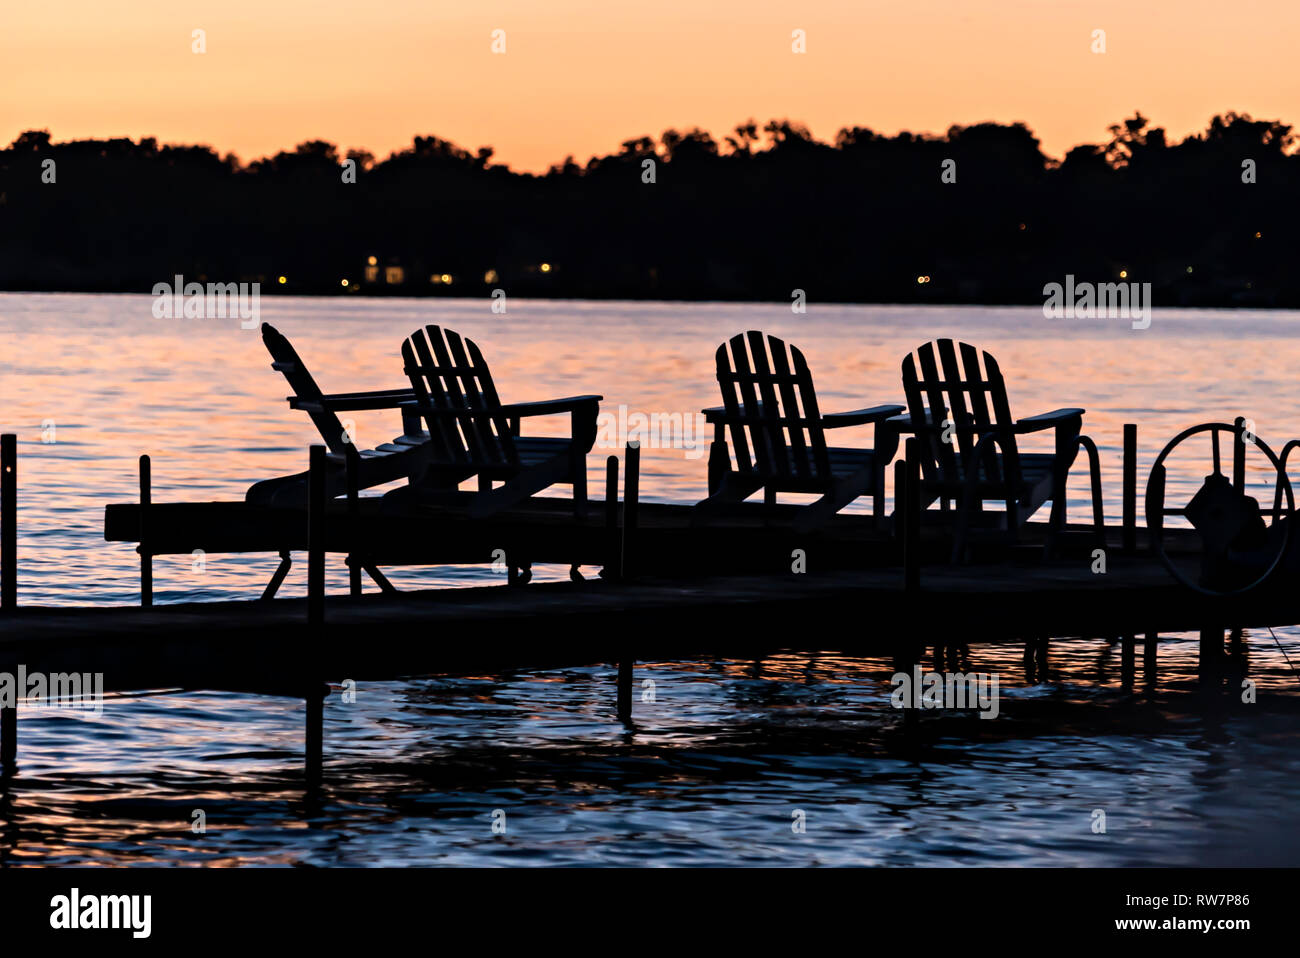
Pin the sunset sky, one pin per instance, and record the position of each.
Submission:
(580, 76)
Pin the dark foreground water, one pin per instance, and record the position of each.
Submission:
(729, 757)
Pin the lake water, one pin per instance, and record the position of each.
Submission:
(718, 766)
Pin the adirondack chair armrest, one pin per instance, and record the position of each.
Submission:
(549, 407)
(582, 410)
(348, 402)
(860, 417)
(904, 423)
(1049, 420)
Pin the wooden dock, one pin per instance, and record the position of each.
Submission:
(744, 585)
(270, 646)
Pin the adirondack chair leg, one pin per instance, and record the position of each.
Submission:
(521, 487)
(277, 578)
(719, 465)
(732, 491)
(843, 492)
(379, 578)
(520, 574)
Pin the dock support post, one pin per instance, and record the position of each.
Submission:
(910, 502)
(314, 739)
(631, 495)
(8, 522)
(1128, 655)
(8, 581)
(316, 540)
(613, 570)
(146, 557)
(1149, 651)
(625, 687)
(1130, 487)
(354, 506)
(1239, 453)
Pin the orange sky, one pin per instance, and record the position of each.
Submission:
(581, 76)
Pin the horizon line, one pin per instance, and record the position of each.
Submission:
(1292, 139)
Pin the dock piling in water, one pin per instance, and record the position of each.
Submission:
(613, 534)
(354, 561)
(631, 498)
(8, 581)
(316, 537)
(8, 521)
(907, 508)
(146, 557)
(1129, 539)
(315, 732)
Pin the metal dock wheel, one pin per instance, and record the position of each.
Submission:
(1230, 524)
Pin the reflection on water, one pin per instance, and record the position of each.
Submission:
(719, 762)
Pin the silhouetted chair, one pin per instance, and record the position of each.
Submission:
(473, 434)
(403, 458)
(969, 449)
(778, 435)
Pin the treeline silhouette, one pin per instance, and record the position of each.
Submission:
(765, 211)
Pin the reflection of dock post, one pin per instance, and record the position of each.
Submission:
(314, 739)
(1128, 654)
(1211, 651)
(908, 654)
(146, 557)
(1149, 651)
(1041, 649)
(9, 736)
(625, 687)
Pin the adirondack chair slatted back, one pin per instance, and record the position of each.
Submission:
(285, 359)
(448, 372)
(778, 435)
(948, 391)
